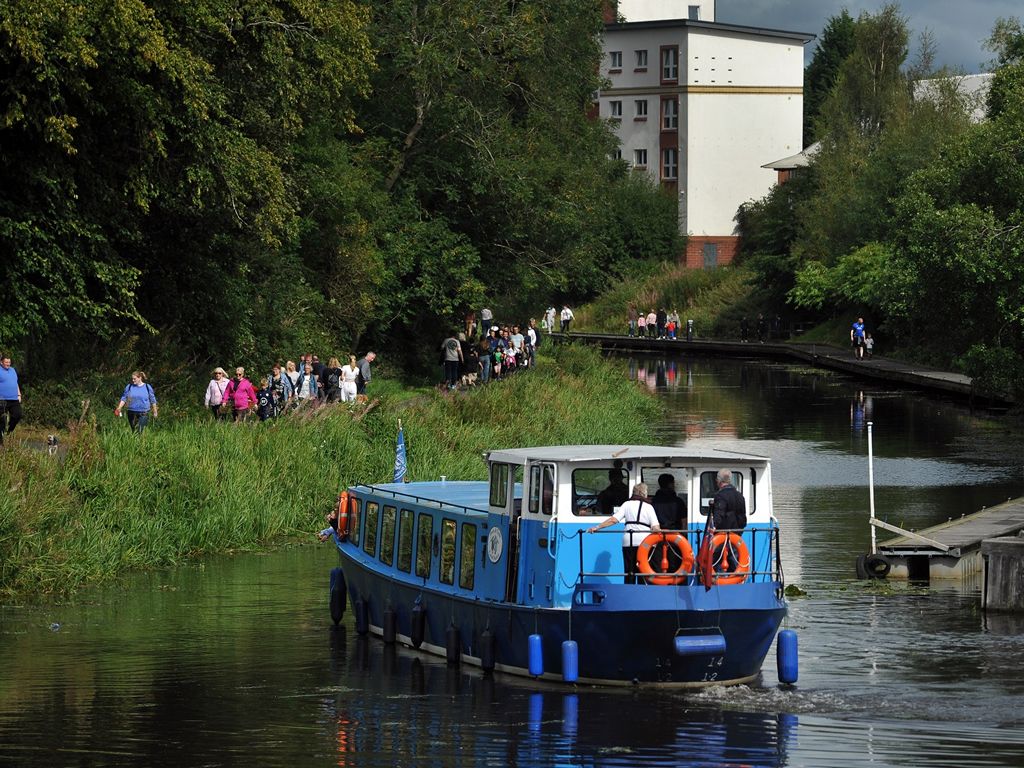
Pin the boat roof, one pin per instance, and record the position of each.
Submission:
(584, 453)
(470, 494)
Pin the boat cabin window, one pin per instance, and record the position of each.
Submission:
(680, 483)
(709, 487)
(542, 488)
(596, 492)
(405, 540)
(424, 538)
(354, 521)
(370, 525)
(467, 556)
(499, 485)
(387, 536)
(448, 531)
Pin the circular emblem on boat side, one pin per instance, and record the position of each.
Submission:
(495, 545)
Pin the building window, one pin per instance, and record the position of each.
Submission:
(616, 109)
(447, 573)
(669, 114)
(616, 60)
(670, 63)
(424, 541)
(670, 164)
(639, 158)
(694, 13)
(710, 251)
(640, 109)
(387, 536)
(617, 153)
(641, 59)
(405, 540)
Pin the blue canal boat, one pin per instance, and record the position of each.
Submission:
(503, 573)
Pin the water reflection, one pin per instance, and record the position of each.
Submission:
(396, 700)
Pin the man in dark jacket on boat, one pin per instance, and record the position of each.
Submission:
(616, 493)
(728, 506)
(670, 508)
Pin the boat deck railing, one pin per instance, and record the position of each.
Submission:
(422, 500)
(765, 561)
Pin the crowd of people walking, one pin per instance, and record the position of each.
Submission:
(472, 357)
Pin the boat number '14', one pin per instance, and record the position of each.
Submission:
(716, 661)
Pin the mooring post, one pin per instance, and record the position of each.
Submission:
(871, 489)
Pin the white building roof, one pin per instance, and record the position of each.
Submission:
(799, 160)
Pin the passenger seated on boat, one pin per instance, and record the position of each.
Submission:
(617, 491)
(640, 519)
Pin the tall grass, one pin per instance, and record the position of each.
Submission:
(188, 486)
(713, 299)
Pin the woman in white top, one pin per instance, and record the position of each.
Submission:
(348, 380)
(215, 392)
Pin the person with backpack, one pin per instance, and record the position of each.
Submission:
(331, 379)
(139, 399)
(240, 394)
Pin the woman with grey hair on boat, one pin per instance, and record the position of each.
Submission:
(638, 514)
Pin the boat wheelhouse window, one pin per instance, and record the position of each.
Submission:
(709, 487)
(370, 525)
(467, 558)
(596, 492)
(424, 539)
(542, 488)
(405, 540)
(354, 521)
(387, 536)
(448, 531)
(499, 485)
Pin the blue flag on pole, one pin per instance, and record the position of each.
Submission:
(400, 456)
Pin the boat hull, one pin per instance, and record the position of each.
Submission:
(625, 634)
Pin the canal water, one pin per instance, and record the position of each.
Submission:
(232, 660)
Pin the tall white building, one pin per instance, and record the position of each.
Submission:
(701, 107)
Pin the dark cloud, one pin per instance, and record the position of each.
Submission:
(958, 26)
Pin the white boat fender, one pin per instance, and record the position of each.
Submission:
(787, 656)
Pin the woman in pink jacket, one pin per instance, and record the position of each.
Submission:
(240, 394)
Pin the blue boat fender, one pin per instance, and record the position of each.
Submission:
(570, 661)
(419, 624)
(362, 616)
(487, 643)
(338, 596)
(535, 655)
(700, 645)
(389, 629)
(453, 644)
(787, 657)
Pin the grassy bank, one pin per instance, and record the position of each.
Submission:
(189, 486)
(714, 299)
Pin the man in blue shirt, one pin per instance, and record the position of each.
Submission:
(857, 338)
(10, 397)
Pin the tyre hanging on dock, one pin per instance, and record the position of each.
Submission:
(872, 567)
(338, 597)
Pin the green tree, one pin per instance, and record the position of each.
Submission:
(833, 48)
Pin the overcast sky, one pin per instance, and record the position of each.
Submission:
(959, 26)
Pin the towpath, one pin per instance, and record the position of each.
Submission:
(822, 355)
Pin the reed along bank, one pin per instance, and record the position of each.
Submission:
(185, 487)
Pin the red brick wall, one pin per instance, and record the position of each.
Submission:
(727, 247)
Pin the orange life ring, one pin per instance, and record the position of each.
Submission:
(735, 542)
(677, 540)
(341, 514)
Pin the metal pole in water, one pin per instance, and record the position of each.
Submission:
(871, 488)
